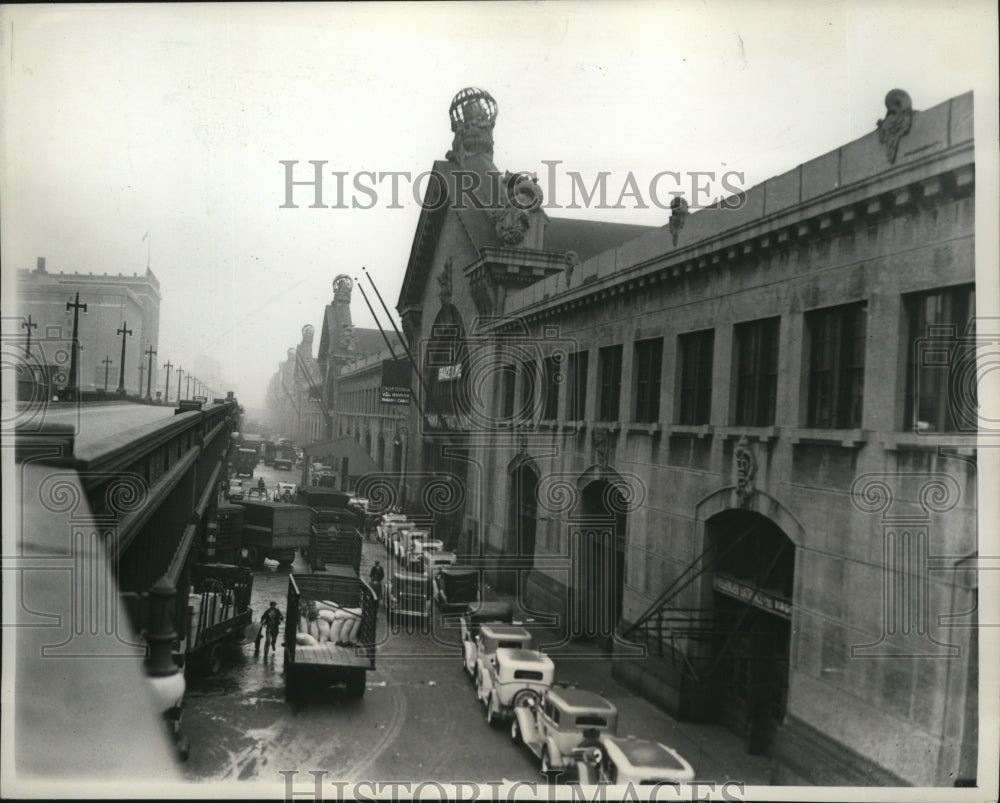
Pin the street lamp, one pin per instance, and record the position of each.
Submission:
(166, 385)
(107, 366)
(151, 352)
(76, 306)
(124, 331)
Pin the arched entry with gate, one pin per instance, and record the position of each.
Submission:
(597, 541)
(751, 588)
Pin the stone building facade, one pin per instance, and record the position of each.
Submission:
(113, 301)
(738, 451)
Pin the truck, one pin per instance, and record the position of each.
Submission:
(284, 457)
(335, 545)
(329, 632)
(218, 612)
(331, 507)
(274, 530)
(269, 448)
(245, 462)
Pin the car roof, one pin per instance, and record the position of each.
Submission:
(489, 611)
(432, 554)
(580, 701)
(519, 656)
(499, 631)
(646, 756)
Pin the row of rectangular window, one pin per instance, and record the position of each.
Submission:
(837, 338)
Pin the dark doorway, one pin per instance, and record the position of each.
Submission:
(752, 602)
(523, 518)
(599, 561)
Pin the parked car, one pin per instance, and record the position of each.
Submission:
(418, 545)
(259, 494)
(286, 492)
(617, 760)
(235, 490)
(512, 678)
(456, 588)
(471, 622)
(562, 722)
(491, 637)
(404, 544)
(406, 594)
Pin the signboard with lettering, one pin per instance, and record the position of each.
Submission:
(449, 373)
(761, 599)
(389, 394)
(395, 385)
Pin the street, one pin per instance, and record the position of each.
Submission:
(419, 718)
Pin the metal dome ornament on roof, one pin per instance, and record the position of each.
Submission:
(473, 113)
(472, 103)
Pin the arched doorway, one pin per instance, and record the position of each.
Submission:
(523, 517)
(751, 589)
(445, 364)
(598, 572)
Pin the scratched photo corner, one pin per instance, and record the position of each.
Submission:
(500, 401)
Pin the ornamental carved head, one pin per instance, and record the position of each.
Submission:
(308, 332)
(473, 114)
(342, 286)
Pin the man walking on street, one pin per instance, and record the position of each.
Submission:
(377, 576)
(271, 622)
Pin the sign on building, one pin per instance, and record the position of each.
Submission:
(395, 385)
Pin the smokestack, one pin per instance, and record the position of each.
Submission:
(41, 265)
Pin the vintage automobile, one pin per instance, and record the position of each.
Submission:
(564, 720)
(404, 544)
(472, 621)
(286, 492)
(511, 678)
(621, 760)
(419, 544)
(406, 594)
(491, 636)
(235, 490)
(383, 527)
(456, 588)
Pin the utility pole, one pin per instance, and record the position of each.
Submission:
(76, 306)
(187, 389)
(124, 332)
(142, 371)
(179, 372)
(29, 326)
(166, 385)
(107, 365)
(150, 351)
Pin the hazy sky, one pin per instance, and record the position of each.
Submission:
(120, 120)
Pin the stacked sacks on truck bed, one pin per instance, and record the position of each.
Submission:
(324, 622)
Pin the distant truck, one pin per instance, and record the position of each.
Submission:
(245, 463)
(269, 449)
(284, 457)
(329, 632)
(274, 530)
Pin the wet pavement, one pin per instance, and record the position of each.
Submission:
(419, 718)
